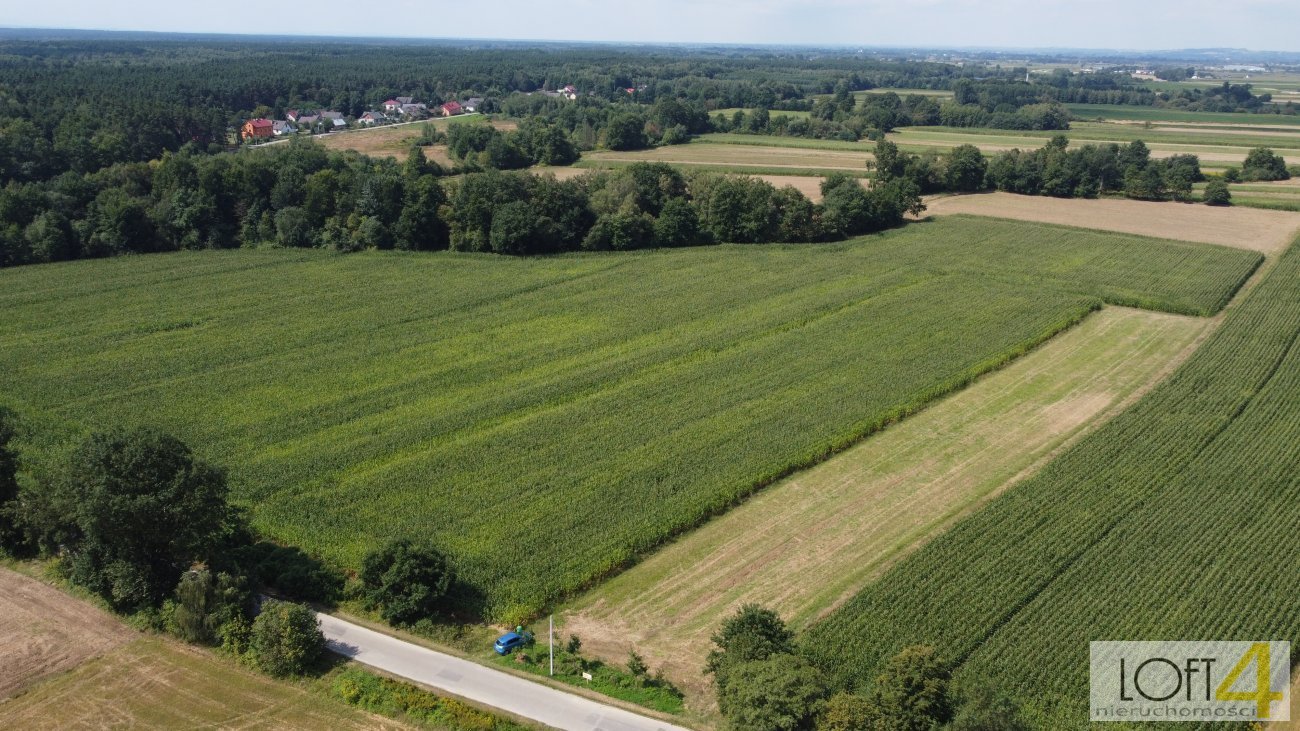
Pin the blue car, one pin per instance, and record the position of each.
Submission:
(509, 641)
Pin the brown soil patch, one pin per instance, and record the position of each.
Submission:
(1246, 228)
(44, 631)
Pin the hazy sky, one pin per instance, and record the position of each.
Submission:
(1128, 24)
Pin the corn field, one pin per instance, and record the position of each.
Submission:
(547, 421)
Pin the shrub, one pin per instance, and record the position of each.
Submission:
(1216, 193)
(285, 639)
(405, 580)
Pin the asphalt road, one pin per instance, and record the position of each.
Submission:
(480, 684)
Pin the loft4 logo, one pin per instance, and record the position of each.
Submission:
(1190, 681)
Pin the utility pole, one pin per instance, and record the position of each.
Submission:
(551, 634)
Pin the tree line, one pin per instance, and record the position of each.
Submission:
(301, 195)
(136, 518)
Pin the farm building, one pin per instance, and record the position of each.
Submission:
(257, 128)
(451, 109)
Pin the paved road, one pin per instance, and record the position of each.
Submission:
(481, 684)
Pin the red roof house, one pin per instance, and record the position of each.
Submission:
(255, 128)
(451, 108)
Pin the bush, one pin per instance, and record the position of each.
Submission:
(1264, 164)
(405, 580)
(781, 693)
(1216, 193)
(205, 603)
(285, 639)
(753, 633)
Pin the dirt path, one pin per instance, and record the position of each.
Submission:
(44, 631)
(1247, 228)
(810, 541)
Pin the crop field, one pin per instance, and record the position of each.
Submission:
(774, 152)
(1154, 114)
(706, 154)
(1282, 195)
(1265, 231)
(810, 541)
(548, 421)
(157, 683)
(1175, 519)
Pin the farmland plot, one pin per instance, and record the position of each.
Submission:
(1176, 520)
(547, 421)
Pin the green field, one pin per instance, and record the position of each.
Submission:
(549, 420)
(1154, 114)
(1176, 520)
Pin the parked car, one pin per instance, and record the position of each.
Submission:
(510, 641)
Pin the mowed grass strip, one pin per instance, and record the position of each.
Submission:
(156, 683)
(1155, 525)
(548, 421)
(811, 540)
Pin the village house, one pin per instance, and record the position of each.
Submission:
(307, 120)
(472, 104)
(392, 105)
(451, 109)
(257, 129)
(280, 128)
(334, 119)
(415, 111)
(372, 118)
(291, 115)
(405, 99)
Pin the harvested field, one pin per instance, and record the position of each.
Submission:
(708, 153)
(156, 683)
(807, 543)
(808, 185)
(44, 631)
(1247, 228)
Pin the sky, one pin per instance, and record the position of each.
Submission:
(1115, 24)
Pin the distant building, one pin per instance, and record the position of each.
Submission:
(280, 127)
(414, 111)
(307, 120)
(372, 118)
(404, 99)
(472, 104)
(392, 105)
(257, 128)
(451, 109)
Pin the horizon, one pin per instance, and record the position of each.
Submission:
(614, 42)
(1259, 26)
